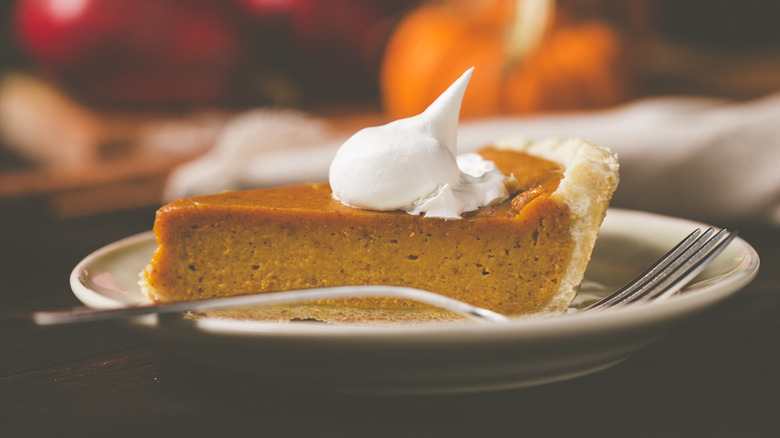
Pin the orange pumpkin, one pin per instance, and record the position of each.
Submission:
(576, 63)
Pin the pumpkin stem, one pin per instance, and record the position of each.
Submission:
(526, 31)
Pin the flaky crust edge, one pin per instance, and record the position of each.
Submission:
(590, 178)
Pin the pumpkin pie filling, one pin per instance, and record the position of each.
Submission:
(501, 257)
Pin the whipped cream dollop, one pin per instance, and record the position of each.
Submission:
(412, 165)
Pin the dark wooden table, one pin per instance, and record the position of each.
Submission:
(716, 375)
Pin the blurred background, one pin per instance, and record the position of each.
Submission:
(101, 99)
(108, 108)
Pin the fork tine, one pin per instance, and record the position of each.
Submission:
(635, 285)
(670, 273)
(692, 266)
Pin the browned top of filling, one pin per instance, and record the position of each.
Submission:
(536, 177)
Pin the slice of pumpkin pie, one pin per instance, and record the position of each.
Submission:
(510, 228)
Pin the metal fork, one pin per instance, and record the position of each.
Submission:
(672, 271)
(667, 276)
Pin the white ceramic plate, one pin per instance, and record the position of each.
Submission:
(436, 357)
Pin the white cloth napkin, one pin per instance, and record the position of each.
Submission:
(700, 158)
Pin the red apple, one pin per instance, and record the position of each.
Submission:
(129, 52)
